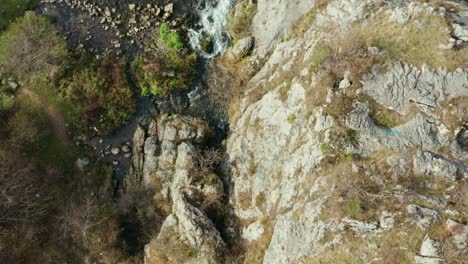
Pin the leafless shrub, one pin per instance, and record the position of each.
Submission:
(208, 160)
(23, 198)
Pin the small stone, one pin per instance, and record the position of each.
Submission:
(115, 151)
(81, 163)
(13, 85)
(115, 163)
(131, 7)
(125, 148)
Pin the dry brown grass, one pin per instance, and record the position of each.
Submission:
(255, 251)
(331, 61)
(305, 22)
(415, 43)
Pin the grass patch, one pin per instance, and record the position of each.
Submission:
(32, 132)
(260, 200)
(394, 246)
(415, 43)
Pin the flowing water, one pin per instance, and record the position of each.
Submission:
(210, 28)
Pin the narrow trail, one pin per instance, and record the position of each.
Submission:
(56, 118)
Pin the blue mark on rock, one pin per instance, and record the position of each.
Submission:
(391, 132)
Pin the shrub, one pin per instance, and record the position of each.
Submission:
(6, 103)
(31, 45)
(102, 91)
(28, 125)
(167, 68)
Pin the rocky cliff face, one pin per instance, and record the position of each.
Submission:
(331, 181)
(348, 145)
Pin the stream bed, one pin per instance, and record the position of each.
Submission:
(212, 19)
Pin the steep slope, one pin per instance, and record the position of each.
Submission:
(348, 145)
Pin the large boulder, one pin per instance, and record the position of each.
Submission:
(243, 48)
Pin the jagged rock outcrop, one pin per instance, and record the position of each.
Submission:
(405, 85)
(165, 157)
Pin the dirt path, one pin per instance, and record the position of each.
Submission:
(56, 118)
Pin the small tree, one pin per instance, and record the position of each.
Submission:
(31, 45)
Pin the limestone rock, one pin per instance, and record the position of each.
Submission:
(459, 232)
(404, 85)
(243, 47)
(424, 216)
(427, 163)
(82, 163)
(461, 32)
(430, 252)
(268, 29)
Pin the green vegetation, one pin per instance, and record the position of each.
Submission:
(170, 38)
(321, 52)
(11, 9)
(209, 179)
(6, 103)
(291, 118)
(240, 20)
(167, 69)
(101, 90)
(31, 46)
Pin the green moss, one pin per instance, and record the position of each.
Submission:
(170, 38)
(291, 118)
(325, 148)
(160, 72)
(6, 103)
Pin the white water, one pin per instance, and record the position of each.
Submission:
(213, 16)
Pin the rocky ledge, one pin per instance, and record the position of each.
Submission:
(166, 157)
